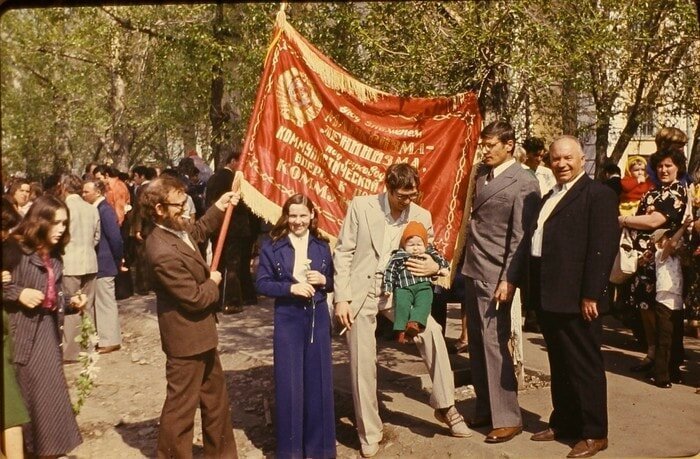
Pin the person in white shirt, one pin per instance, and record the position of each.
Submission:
(534, 151)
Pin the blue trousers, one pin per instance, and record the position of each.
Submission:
(304, 414)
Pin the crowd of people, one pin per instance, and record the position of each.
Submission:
(73, 246)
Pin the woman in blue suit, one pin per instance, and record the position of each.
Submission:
(296, 268)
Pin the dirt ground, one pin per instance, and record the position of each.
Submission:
(120, 417)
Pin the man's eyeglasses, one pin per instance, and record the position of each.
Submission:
(406, 196)
(181, 205)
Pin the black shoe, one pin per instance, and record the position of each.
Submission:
(646, 365)
(660, 384)
(232, 309)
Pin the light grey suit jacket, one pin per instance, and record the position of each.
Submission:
(501, 214)
(360, 244)
(80, 257)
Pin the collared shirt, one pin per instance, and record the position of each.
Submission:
(545, 177)
(301, 257)
(558, 192)
(181, 234)
(98, 201)
(496, 171)
(392, 233)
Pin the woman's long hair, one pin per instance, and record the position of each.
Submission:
(281, 228)
(33, 230)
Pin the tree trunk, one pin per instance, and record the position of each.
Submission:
(569, 108)
(602, 132)
(217, 113)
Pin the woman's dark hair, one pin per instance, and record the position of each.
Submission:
(677, 157)
(33, 231)
(400, 176)
(281, 228)
(10, 216)
(16, 185)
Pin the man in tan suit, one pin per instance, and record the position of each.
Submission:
(186, 294)
(370, 231)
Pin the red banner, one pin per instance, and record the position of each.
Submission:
(317, 130)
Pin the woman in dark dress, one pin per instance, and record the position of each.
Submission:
(296, 268)
(662, 207)
(34, 301)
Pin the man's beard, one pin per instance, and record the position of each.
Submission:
(174, 223)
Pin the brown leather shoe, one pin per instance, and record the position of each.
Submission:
(476, 422)
(503, 434)
(588, 447)
(546, 435)
(108, 349)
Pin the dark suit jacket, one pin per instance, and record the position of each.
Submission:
(581, 238)
(110, 249)
(185, 296)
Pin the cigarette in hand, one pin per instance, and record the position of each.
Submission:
(498, 303)
(343, 331)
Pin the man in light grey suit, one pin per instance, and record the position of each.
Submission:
(371, 230)
(505, 201)
(79, 260)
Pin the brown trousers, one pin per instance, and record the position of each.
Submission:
(196, 381)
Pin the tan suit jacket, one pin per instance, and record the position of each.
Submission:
(360, 245)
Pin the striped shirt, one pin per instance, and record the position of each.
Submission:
(397, 275)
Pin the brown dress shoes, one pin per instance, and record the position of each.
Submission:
(108, 349)
(503, 434)
(545, 435)
(588, 448)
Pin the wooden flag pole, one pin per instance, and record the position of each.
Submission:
(235, 186)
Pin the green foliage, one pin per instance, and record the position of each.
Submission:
(85, 380)
(134, 83)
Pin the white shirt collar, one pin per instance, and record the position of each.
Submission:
(567, 186)
(387, 210)
(98, 201)
(496, 171)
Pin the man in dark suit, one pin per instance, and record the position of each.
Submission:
(110, 250)
(186, 295)
(238, 286)
(573, 245)
(505, 201)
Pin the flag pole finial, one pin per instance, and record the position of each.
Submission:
(281, 16)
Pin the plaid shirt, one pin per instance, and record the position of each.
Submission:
(396, 275)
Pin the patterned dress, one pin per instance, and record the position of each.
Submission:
(670, 201)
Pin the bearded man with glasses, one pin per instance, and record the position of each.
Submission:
(186, 296)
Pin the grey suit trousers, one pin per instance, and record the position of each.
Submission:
(106, 313)
(493, 374)
(363, 365)
(71, 323)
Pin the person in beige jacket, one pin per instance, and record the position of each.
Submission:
(371, 230)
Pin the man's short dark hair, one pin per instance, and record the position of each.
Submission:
(502, 130)
(72, 184)
(400, 176)
(147, 172)
(611, 169)
(106, 170)
(233, 155)
(533, 145)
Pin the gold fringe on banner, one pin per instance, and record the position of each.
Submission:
(331, 77)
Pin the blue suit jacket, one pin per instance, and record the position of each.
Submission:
(276, 268)
(109, 249)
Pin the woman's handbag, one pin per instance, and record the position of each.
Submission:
(625, 264)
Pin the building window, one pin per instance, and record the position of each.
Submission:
(648, 127)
